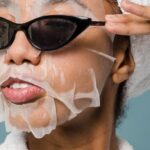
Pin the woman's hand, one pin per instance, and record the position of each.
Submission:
(137, 22)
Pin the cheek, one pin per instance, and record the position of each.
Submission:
(72, 67)
(95, 38)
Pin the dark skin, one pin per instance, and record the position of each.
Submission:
(93, 129)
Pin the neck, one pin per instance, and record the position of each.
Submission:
(93, 129)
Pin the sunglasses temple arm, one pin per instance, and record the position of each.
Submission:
(97, 23)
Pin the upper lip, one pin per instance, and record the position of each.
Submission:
(10, 81)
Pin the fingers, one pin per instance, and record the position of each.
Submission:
(127, 24)
(139, 10)
(137, 22)
(128, 29)
(124, 18)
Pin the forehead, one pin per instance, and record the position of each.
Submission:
(36, 8)
(5, 3)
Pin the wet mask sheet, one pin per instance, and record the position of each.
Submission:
(67, 88)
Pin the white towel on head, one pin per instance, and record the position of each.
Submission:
(139, 82)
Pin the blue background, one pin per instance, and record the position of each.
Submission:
(135, 127)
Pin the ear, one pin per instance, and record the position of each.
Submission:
(124, 64)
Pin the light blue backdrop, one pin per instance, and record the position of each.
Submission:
(135, 127)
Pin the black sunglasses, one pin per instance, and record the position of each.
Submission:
(46, 33)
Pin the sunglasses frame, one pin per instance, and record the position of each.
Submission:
(81, 22)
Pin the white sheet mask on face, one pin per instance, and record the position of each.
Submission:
(46, 104)
(48, 75)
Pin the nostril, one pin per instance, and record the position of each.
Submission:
(26, 61)
(12, 62)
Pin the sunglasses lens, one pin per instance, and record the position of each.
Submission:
(51, 33)
(6, 33)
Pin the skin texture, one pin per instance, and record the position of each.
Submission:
(94, 128)
(135, 23)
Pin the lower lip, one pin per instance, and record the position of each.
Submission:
(23, 95)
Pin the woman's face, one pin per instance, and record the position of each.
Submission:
(74, 69)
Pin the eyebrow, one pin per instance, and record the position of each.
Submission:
(63, 1)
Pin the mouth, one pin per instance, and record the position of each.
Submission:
(21, 92)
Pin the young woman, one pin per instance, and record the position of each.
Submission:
(65, 89)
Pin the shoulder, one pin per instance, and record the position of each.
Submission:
(124, 145)
(14, 141)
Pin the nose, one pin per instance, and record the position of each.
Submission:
(22, 51)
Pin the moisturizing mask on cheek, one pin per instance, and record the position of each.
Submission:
(38, 98)
(40, 116)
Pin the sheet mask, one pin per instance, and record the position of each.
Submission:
(47, 105)
(71, 93)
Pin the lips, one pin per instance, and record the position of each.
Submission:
(20, 92)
